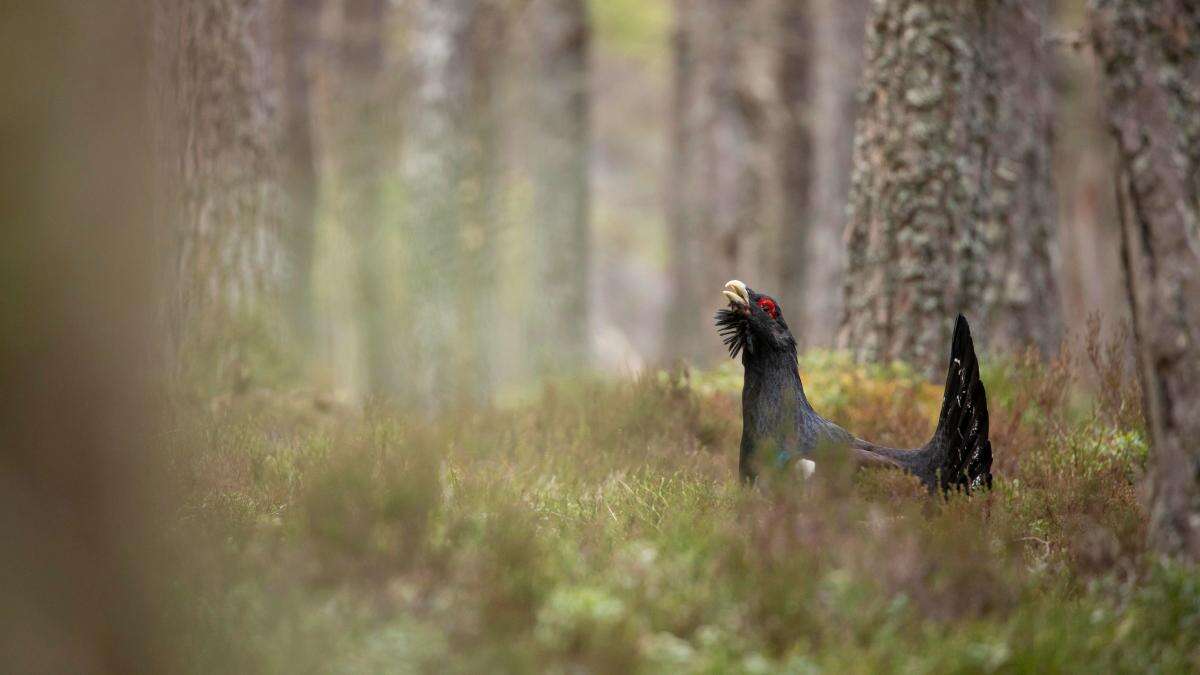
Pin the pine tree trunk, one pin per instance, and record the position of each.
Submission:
(840, 26)
(431, 167)
(1022, 299)
(484, 174)
(719, 157)
(82, 588)
(218, 104)
(366, 149)
(920, 184)
(1151, 62)
(445, 169)
(300, 41)
(952, 197)
(796, 163)
(561, 186)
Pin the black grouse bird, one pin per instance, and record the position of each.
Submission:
(779, 425)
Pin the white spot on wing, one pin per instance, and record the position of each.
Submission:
(807, 467)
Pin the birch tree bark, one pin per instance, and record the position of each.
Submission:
(1151, 61)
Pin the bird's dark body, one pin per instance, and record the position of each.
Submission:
(779, 425)
(777, 420)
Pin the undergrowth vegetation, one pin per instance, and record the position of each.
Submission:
(602, 529)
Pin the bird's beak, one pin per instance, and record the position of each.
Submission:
(736, 292)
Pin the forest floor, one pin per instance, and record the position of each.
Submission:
(602, 529)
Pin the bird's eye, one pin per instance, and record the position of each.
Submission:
(768, 305)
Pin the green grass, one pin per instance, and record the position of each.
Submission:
(601, 529)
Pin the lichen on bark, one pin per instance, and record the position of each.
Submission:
(951, 198)
(921, 158)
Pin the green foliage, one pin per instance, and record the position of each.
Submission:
(601, 529)
(638, 28)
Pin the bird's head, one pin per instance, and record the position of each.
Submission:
(753, 323)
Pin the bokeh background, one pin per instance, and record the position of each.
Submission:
(458, 199)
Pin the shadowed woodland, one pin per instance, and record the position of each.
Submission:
(377, 335)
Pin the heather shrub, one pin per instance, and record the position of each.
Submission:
(600, 528)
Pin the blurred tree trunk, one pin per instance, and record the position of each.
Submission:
(300, 41)
(839, 28)
(79, 576)
(365, 152)
(218, 102)
(952, 197)
(1151, 62)
(561, 186)
(1022, 299)
(718, 147)
(447, 242)
(484, 169)
(432, 165)
(795, 72)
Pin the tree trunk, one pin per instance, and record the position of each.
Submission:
(444, 167)
(366, 149)
(920, 184)
(840, 26)
(1151, 63)
(300, 41)
(952, 197)
(78, 577)
(218, 104)
(796, 161)
(431, 168)
(561, 186)
(486, 45)
(1022, 300)
(718, 161)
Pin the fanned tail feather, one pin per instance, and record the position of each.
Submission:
(961, 440)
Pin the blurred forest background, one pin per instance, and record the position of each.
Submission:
(376, 335)
(447, 201)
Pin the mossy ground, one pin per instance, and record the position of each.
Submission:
(601, 529)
